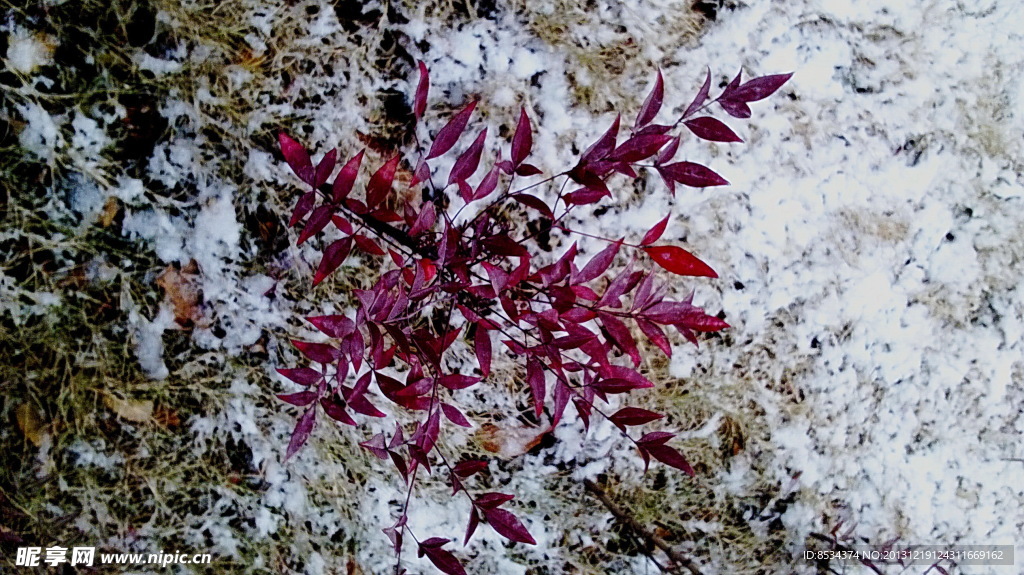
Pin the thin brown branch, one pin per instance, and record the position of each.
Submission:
(623, 516)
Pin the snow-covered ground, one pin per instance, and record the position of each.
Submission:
(869, 248)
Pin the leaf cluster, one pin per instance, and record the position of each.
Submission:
(451, 279)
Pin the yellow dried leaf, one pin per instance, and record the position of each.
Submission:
(134, 410)
(31, 424)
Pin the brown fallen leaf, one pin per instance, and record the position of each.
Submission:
(511, 441)
(111, 210)
(30, 424)
(183, 293)
(134, 410)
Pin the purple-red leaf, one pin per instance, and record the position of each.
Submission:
(701, 97)
(302, 375)
(301, 432)
(324, 168)
(450, 133)
(367, 245)
(759, 88)
(671, 456)
(300, 399)
(458, 381)
(487, 185)
(302, 207)
(318, 220)
(420, 103)
(508, 525)
(691, 174)
(442, 559)
(535, 377)
(651, 105)
(380, 183)
(708, 128)
(334, 255)
(597, 265)
(734, 108)
(620, 335)
(336, 326)
(493, 499)
(470, 467)
(603, 146)
(336, 411)
(375, 445)
(318, 352)
(522, 141)
(346, 178)
(654, 234)
(669, 151)
(679, 261)
(535, 203)
(639, 148)
(482, 347)
(455, 416)
(634, 416)
(297, 157)
(467, 163)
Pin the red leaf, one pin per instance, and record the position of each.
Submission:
(458, 381)
(474, 521)
(669, 151)
(655, 438)
(679, 261)
(470, 467)
(443, 560)
(334, 255)
(735, 109)
(492, 500)
(380, 183)
(509, 526)
(535, 203)
(324, 168)
(634, 416)
(467, 163)
(346, 178)
(455, 416)
(522, 141)
(302, 375)
(420, 102)
(759, 88)
(638, 148)
(301, 432)
(527, 170)
(343, 225)
(651, 105)
(297, 158)
(450, 133)
(701, 97)
(562, 394)
(535, 377)
(336, 411)
(603, 146)
(690, 174)
(654, 333)
(620, 335)
(300, 399)
(317, 222)
(318, 352)
(302, 207)
(597, 265)
(708, 128)
(425, 221)
(375, 445)
(336, 326)
(671, 456)
(367, 245)
(482, 346)
(654, 234)
(487, 185)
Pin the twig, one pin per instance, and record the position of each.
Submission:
(635, 525)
